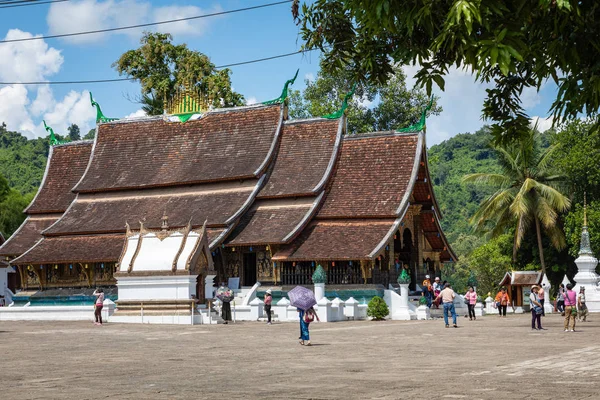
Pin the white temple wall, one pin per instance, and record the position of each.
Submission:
(157, 287)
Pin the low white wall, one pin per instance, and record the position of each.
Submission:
(156, 287)
(55, 313)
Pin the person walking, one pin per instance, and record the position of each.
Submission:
(570, 308)
(306, 317)
(502, 301)
(560, 300)
(536, 307)
(268, 300)
(98, 304)
(471, 298)
(447, 295)
(427, 290)
(581, 306)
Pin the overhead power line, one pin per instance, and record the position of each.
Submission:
(257, 60)
(13, 4)
(146, 24)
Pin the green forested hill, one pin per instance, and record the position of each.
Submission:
(451, 160)
(22, 161)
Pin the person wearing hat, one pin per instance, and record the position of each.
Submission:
(536, 308)
(437, 288)
(581, 307)
(427, 290)
(502, 301)
(268, 300)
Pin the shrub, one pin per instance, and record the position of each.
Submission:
(377, 309)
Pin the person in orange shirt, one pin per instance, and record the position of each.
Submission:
(428, 290)
(502, 301)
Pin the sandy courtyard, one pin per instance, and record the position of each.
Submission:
(491, 358)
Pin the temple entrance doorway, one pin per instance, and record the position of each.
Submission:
(249, 269)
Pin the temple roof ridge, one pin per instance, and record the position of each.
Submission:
(365, 135)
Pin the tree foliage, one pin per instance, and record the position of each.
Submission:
(528, 193)
(490, 262)
(161, 66)
(514, 44)
(395, 107)
(377, 309)
(74, 133)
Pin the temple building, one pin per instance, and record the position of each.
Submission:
(273, 198)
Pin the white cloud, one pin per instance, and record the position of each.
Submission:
(88, 15)
(36, 61)
(251, 100)
(543, 124)
(309, 77)
(136, 114)
(27, 61)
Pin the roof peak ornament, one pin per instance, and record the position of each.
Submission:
(53, 139)
(100, 117)
(421, 125)
(340, 112)
(284, 92)
(585, 248)
(186, 102)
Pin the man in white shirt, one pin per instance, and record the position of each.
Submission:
(447, 295)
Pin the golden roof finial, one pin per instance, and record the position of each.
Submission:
(187, 99)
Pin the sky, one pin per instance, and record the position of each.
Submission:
(225, 39)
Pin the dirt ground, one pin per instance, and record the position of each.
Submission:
(491, 358)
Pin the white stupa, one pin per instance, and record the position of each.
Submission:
(586, 269)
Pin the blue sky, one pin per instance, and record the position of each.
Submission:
(225, 39)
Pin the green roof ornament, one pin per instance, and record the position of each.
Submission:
(422, 301)
(53, 139)
(419, 126)
(340, 112)
(320, 276)
(284, 92)
(99, 116)
(404, 278)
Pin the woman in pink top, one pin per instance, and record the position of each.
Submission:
(268, 300)
(99, 293)
(471, 297)
(570, 307)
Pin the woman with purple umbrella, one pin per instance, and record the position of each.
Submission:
(306, 317)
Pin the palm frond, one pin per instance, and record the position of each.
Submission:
(557, 237)
(556, 199)
(488, 179)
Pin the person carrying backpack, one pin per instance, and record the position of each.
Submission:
(306, 317)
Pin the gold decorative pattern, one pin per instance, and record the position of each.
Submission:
(187, 99)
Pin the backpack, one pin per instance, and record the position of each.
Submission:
(309, 316)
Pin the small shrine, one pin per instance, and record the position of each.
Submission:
(586, 268)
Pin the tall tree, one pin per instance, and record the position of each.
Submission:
(514, 44)
(161, 66)
(74, 133)
(372, 108)
(527, 194)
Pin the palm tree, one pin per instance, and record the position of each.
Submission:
(528, 192)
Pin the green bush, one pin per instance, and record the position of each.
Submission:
(377, 309)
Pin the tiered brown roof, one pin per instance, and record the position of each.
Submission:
(65, 166)
(224, 145)
(209, 170)
(305, 160)
(26, 236)
(70, 249)
(365, 199)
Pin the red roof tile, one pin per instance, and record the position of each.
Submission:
(222, 145)
(371, 176)
(66, 165)
(336, 240)
(267, 225)
(70, 249)
(307, 148)
(110, 215)
(26, 236)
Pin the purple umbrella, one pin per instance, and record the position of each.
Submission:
(302, 298)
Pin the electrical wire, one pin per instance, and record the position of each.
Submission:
(37, 2)
(146, 24)
(257, 60)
